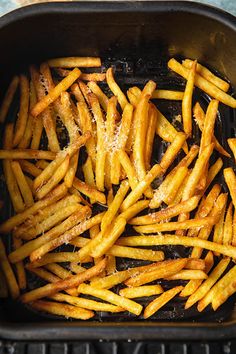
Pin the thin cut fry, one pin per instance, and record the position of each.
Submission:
(136, 253)
(228, 226)
(128, 167)
(74, 280)
(208, 129)
(230, 180)
(159, 302)
(151, 130)
(20, 270)
(8, 272)
(187, 100)
(89, 191)
(22, 184)
(73, 62)
(19, 154)
(168, 95)
(187, 274)
(55, 92)
(140, 291)
(115, 88)
(102, 98)
(203, 84)
(109, 296)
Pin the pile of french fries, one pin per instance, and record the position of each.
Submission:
(55, 196)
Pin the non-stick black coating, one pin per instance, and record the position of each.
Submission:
(137, 37)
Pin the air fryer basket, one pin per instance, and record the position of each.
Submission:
(136, 39)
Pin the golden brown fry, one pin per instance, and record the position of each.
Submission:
(11, 182)
(30, 168)
(115, 88)
(213, 171)
(111, 265)
(136, 253)
(128, 167)
(16, 220)
(151, 130)
(140, 291)
(186, 274)
(207, 285)
(23, 112)
(73, 62)
(208, 75)
(230, 180)
(228, 226)
(102, 98)
(71, 282)
(20, 270)
(203, 84)
(168, 95)
(22, 184)
(109, 296)
(115, 205)
(219, 292)
(8, 98)
(172, 151)
(194, 263)
(167, 213)
(234, 229)
(159, 302)
(209, 123)
(232, 145)
(134, 209)
(55, 92)
(8, 272)
(89, 191)
(67, 311)
(187, 100)
(178, 225)
(86, 303)
(141, 187)
(162, 269)
(19, 154)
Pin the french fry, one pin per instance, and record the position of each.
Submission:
(208, 283)
(16, 220)
(230, 180)
(109, 296)
(110, 197)
(151, 130)
(168, 190)
(234, 229)
(8, 272)
(203, 84)
(109, 238)
(56, 242)
(232, 145)
(42, 164)
(86, 303)
(111, 265)
(160, 240)
(219, 292)
(213, 171)
(141, 291)
(48, 172)
(22, 184)
(55, 92)
(58, 175)
(128, 168)
(74, 280)
(89, 191)
(162, 269)
(75, 268)
(193, 285)
(20, 270)
(134, 209)
(67, 311)
(30, 168)
(121, 140)
(208, 75)
(187, 274)
(102, 98)
(167, 213)
(46, 115)
(23, 112)
(132, 98)
(196, 264)
(136, 253)
(187, 100)
(8, 98)
(141, 187)
(172, 151)
(178, 225)
(89, 175)
(49, 222)
(115, 88)
(73, 62)
(208, 129)
(228, 226)
(51, 278)
(11, 183)
(37, 247)
(19, 154)
(141, 120)
(77, 93)
(219, 229)
(148, 89)
(159, 302)
(115, 205)
(101, 149)
(199, 116)
(168, 95)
